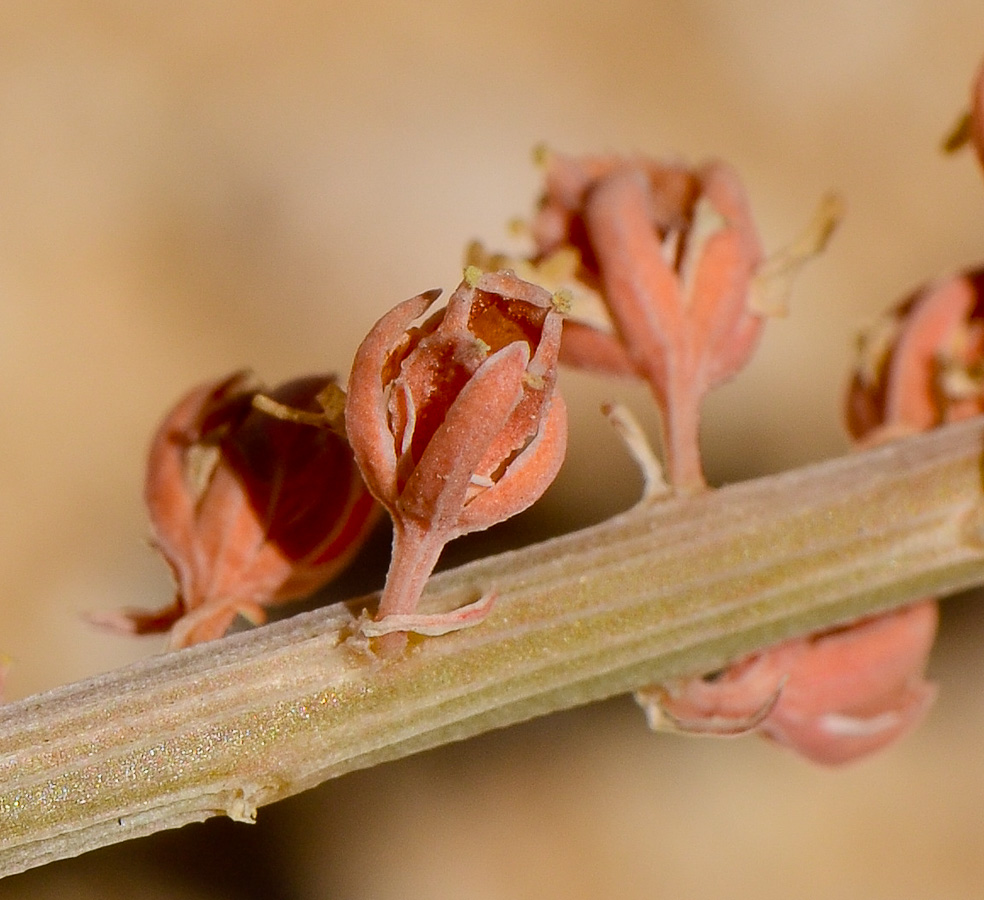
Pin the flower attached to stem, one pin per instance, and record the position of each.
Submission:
(922, 365)
(676, 258)
(456, 425)
(833, 697)
(248, 509)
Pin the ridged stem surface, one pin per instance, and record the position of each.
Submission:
(668, 588)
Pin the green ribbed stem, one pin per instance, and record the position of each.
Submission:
(669, 588)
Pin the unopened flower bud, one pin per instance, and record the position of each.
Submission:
(676, 259)
(456, 425)
(247, 509)
(922, 365)
(833, 697)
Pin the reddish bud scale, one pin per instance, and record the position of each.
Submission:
(247, 509)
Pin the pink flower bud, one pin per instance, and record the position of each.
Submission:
(456, 425)
(675, 258)
(673, 252)
(833, 697)
(247, 509)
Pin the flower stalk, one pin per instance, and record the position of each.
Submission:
(669, 588)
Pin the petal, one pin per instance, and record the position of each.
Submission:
(724, 332)
(590, 349)
(435, 491)
(641, 290)
(366, 417)
(726, 703)
(836, 738)
(137, 621)
(911, 396)
(171, 500)
(526, 477)
(856, 668)
(230, 556)
(721, 185)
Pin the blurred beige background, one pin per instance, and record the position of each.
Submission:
(186, 188)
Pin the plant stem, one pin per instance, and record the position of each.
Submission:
(676, 587)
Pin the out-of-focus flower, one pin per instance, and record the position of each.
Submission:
(246, 508)
(456, 425)
(672, 251)
(923, 364)
(676, 259)
(832, 697)
(977, 113)
(969, 128)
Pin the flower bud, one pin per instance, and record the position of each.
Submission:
(672, 250)
(923, 364)
(833, 697)
(247, 509)
(456, 425)
(676, 259)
